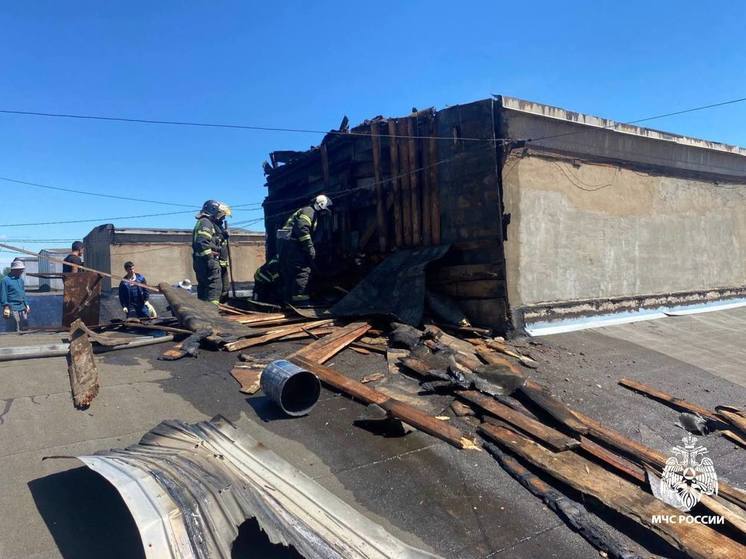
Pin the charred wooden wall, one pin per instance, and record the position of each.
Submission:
(425, 179)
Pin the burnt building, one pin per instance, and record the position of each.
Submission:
(549, 214)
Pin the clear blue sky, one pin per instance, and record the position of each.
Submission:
(306, 64)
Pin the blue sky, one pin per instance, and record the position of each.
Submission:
(306, 64)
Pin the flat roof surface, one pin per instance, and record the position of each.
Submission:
(458, 503)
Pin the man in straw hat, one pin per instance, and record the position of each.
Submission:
(13, 296)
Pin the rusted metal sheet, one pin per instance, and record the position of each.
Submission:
(81, 297)
(190, 487)
(82, 367)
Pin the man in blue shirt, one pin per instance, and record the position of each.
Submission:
(134, 298)
(13, 296)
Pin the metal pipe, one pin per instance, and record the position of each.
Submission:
(60, 350)
(294, 389)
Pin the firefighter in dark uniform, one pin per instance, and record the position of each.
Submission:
(297, 251)
(267, 282)
(210, 252)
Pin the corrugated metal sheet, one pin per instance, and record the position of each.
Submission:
(189, 488)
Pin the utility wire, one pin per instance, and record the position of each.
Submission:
(639, 120)
(238, 126)
(114, 196)
(88, 193)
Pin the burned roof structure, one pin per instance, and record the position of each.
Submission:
(548, 213)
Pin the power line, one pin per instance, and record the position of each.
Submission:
(114, 196)
(106, 219)
(646, 119)
(237, 126)
(88, 193)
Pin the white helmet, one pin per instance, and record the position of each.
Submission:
(322, 202)
(17, 265)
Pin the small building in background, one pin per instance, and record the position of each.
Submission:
(32, 267)
(47, 266)
(165, 254)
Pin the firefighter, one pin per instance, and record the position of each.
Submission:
(297, 251)
(210, 252)
(267, 282)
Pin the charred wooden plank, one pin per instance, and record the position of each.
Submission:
(733, 416)
(614, 460)
(406, 184)
(395, 408)
(676, 403)
(434, 187)
(414, 184)
(568, 510)
(551, 437)
(395, 183)
(697, 540)
(540, 396)
(82, 367)
(380, 202)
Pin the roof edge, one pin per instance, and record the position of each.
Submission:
(572, 117)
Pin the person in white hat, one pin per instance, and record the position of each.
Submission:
(13, 298)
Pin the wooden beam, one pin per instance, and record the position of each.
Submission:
(395, 183)
(275, 335)
(434, 187)
(541, 397)
(375, 141)
(324, 349)
(414, 186)
(550, 437)
(426, 187)
(697, 540)
(676, 403)
(395, 408)
(406, 185)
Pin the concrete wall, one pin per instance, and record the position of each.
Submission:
(582, 230)
(173, 262)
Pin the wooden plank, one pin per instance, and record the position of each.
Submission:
(733, 416)
(324, 349)
(426, 185)
(584, 522)
(559, 411)
(395, 408)
(414, 186)
(395, 184)
(434, 186)
(697, 540)
(380, 202)
(275, 335)
(257, 317)
(81, 367)
(640, 452)
(406, 185)
(614, 460)
(551, 437)
(676, 403)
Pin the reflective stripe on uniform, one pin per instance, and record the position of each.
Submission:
(223, 263)
(204, 233)
(305, 218)
(205, 252)
(215, 302)
(304, 238)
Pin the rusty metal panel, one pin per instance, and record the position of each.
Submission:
(81, 298)
(82, 367)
